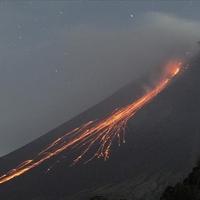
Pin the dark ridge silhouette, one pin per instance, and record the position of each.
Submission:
(188, 189)
(162, 143)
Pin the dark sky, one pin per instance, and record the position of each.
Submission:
(58, 58)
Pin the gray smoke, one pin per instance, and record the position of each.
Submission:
(81, 66)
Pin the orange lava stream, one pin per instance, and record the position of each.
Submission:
(97, 134)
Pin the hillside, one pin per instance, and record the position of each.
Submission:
(162, 143)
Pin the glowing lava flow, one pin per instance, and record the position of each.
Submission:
(96, 134)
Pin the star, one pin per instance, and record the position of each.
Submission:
(60, 12)
(131, 15)
(19, 26)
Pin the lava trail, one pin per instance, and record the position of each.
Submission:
(98, 135)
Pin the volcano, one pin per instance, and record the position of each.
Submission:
(162, 144)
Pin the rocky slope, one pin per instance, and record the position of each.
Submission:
(162, 143)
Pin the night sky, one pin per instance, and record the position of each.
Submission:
(58, 58)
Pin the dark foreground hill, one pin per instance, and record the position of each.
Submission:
(188, 189)
(162, 143)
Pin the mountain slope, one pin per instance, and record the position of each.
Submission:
(162, 139)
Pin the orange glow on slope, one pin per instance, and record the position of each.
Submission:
(99, 134)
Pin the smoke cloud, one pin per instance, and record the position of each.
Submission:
(80, 67)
